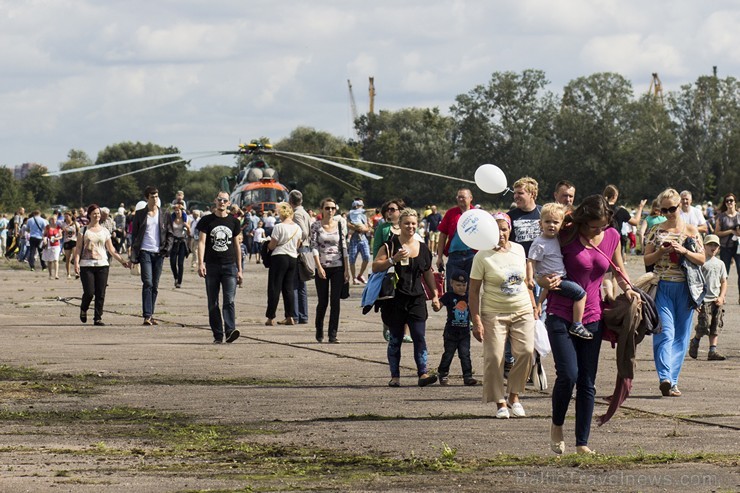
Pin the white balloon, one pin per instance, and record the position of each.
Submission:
(478, 229)
(140, 205)
(490, 178)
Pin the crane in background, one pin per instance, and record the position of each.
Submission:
(656, 87)
(353, 107)
(371, 92)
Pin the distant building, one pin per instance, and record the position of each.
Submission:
(21, 172)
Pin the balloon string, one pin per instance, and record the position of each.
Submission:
(506, 190)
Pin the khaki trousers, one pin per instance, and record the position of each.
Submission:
(519, 327)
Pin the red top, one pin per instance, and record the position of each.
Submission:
(53, 232)
(448, 225)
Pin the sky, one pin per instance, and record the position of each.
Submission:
(205, 75)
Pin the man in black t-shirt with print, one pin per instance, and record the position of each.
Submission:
(219, 262)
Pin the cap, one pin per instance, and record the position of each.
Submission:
(459, 276)
(357, 203)
(711, 239)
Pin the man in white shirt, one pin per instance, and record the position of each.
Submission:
(692, 215)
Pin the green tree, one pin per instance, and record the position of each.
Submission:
(650, 148)
(707, 114)
(203, 184)
(40, 188)
(73, 187)
(509, 123)
(413, 138)
(590, 130)
(314, 184)
(12, 196)
(128, 189)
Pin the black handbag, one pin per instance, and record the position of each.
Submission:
(266, 254)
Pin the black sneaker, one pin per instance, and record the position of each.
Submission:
(83, 317)
(444, 379)
(216, 341)
(232, 336)
(470, 382)
(99, 323)
(715, 356)
(424, 381)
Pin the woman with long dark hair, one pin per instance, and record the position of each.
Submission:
(588, 243)
(179, 249)
(91, 263)
(727, 228)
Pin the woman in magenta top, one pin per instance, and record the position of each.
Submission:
(576, 359)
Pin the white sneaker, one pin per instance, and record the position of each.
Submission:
(518, 410)
(502, 413)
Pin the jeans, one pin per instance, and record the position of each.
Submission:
(726, 255)
(34, 245)
(177, 260)
(280, 280)
(328, 291)
(417, 329)
(576, 364)
(676, 315)
(151, 268)
(300, 296)
(458, 261)
(218, 277)
(456, 339)
(94, 281)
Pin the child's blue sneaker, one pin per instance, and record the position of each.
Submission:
(578, 330)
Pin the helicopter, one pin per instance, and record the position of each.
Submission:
(257, 186)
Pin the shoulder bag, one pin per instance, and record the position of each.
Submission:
(390, 279)
(266, 253)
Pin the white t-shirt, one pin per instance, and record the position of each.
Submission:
(150, 243)
(287, 236)
(93, 248)
(694, 216)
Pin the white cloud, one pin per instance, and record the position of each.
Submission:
(201, 75)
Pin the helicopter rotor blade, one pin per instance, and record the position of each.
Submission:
(403, 168)
(324, 173)
(197, 155)
(364, 173)
(140, 170)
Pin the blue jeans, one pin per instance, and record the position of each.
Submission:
(456, 339)
(151, 268)
(177, 260)
(417, 329)
(676, 315)
(218, 277)
(300, 296)
(726, 254)
(576, 363)
(458, 261)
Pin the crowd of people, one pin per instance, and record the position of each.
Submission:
(550, 263)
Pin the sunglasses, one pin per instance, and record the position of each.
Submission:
(392, 209)
(729, 201)
(669, 210)
(330, 208)
(222, 200)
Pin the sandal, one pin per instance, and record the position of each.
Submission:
(578, 330)
(674, 392)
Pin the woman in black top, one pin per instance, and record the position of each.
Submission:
(411, 260)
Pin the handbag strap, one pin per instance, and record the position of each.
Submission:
(611, 262)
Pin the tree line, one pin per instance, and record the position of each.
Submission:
(596, 132)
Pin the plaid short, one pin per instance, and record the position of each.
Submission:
(358, 244)
(710, 319)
